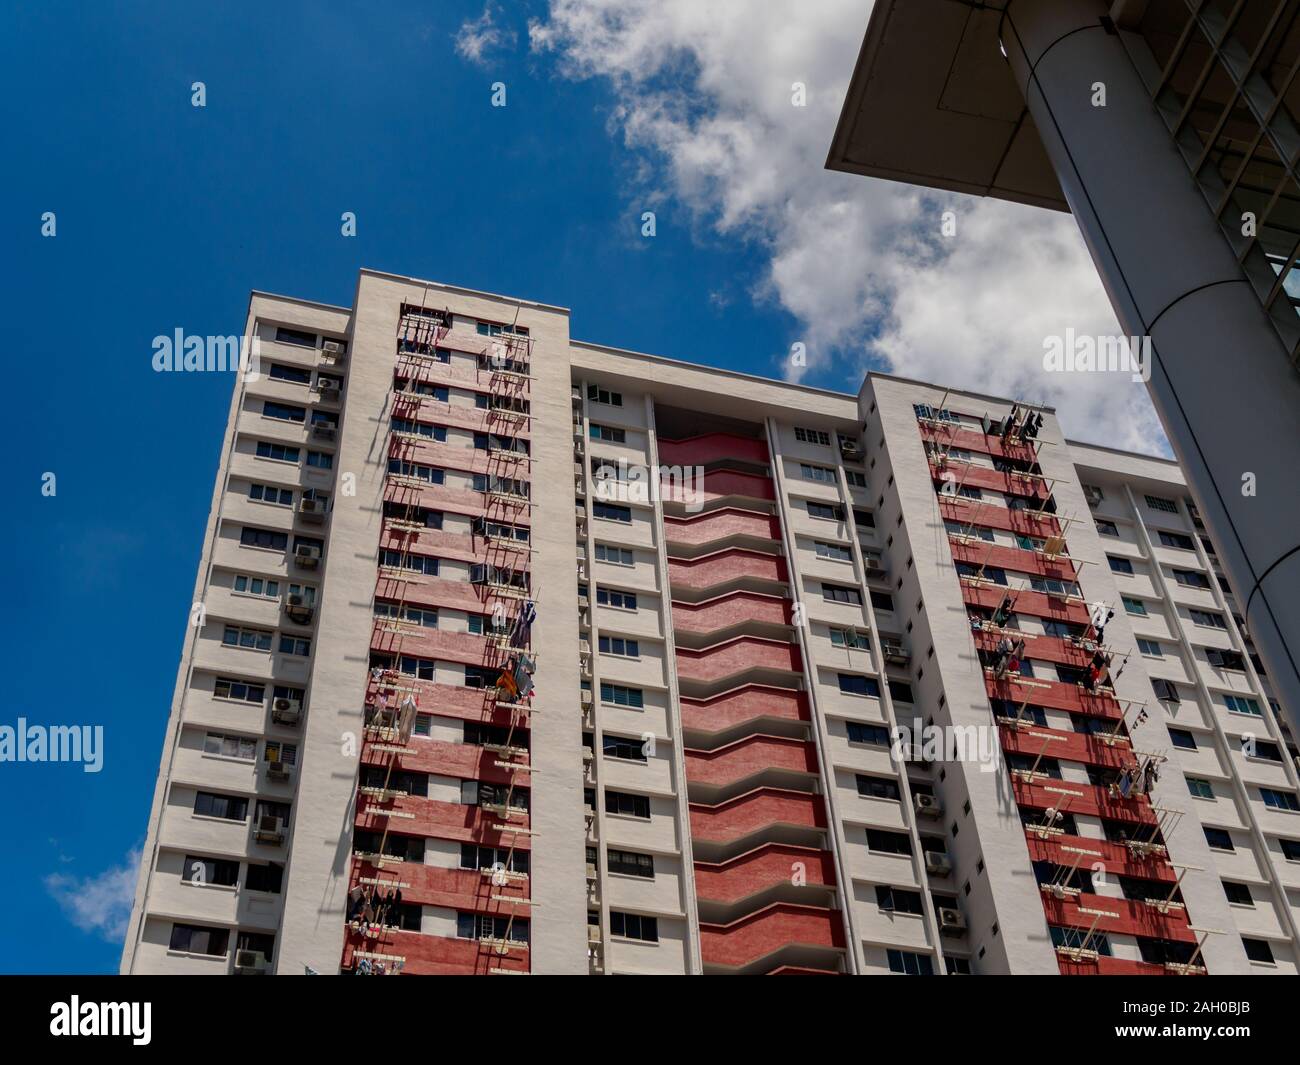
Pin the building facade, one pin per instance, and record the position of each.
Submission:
(513, 653)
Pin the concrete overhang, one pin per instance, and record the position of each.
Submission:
(933, 102)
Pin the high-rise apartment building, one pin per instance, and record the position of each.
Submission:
(514, 653)
(1168, 129)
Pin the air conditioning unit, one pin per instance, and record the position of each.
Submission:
(307, 556)
(937, 863)
(299, 610)
(322, 431)
(333, 347)
(327, 387)
(286, 712)
(874, 566)
(586, 698)
(1092, 494)
(269, 829)
(927, 805)
(850, 449)
(249, 962)
(312, 510)
(951, 922)
(593, 934)
(279, 771)
(895, 654)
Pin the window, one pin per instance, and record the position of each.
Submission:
(227, 807)
(1190, 578)
(825, 511)
(482, 857)
(420, 668)
(425, 617)
(1279, 800)
(909, 963)
(1239, 704)
(610, 512)
(968, 491)
(629, 863)
(295, 645)
(490, 927)
(1258, 950)
(834, 552)
(1182, 738)
(834, 593)
(1207, 619)
(280, 372)
(283, 412)
(624, 747)
(633, 926)
(866, 519)
(1218, 839)
(856, 478)
(853, 684)
(618, 695)
(285, 335)
(243, 584)
(268, 878)
(1178, 540)
(1150, 648)
(872, 735)
(1166, 691)
(1225, 659)
(1120, 565)
(239, 690)
(817, 473)
(615, 556)
(1238, 894)
(278, 452)
(616, 599)
(878, 788)
(900, 691)
(437, 433)
(1200, 787)
(248, 639)
(601, 395)
(266, 539)
(1290, 849)
(262, 493)
(197, 939)
(609, 433)
(882, 601)
(956, 966)
(1078, 938)
(218, 871)
(884, 842)
(321, 461)
(617, 645)
(391, 559)
(230, 746)
(1107, 528)
(1134, 606)
(812, 436)
(1160, 503)
(849, 638)
(625, 804)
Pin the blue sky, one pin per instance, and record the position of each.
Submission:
(167, 215)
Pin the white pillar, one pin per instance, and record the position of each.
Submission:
(1222, 381)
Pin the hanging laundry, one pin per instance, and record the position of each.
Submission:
(522, 631)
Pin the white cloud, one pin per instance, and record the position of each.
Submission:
(477, 37)
(703, 93)
(101, 903)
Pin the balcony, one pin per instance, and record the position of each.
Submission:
(748, 757)
(733, 567)
(423, 955)
(710, 448)
(770, 936)
(726, 661)
(759, 870)
(756, 811)
(738, 706)
(731, 524)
